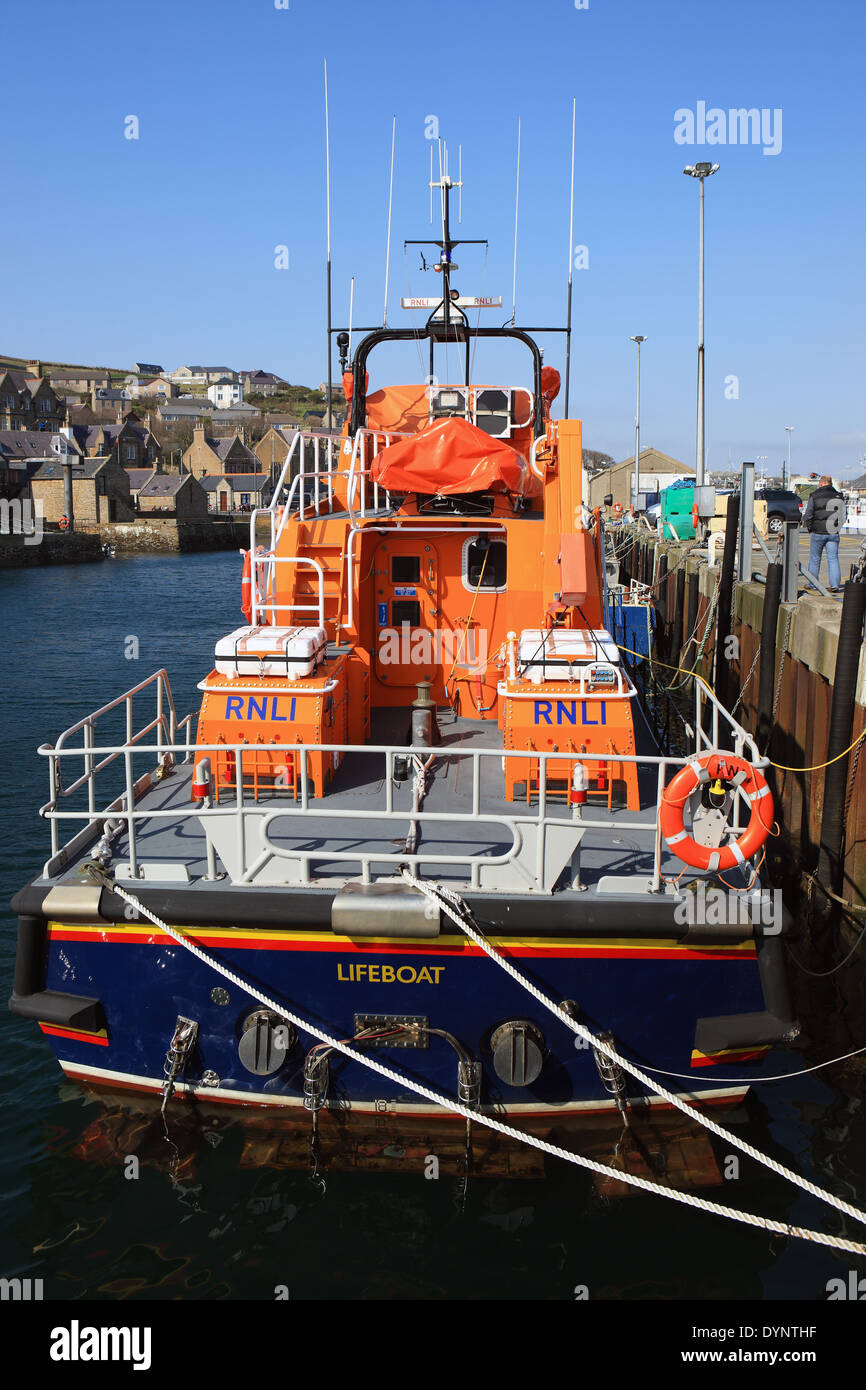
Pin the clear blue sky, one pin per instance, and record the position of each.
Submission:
(162, 248)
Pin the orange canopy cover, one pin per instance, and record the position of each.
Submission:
(453, 456)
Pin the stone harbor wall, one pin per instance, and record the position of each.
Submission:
(55, 548)
(160, 535)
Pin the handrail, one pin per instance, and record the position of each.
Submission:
(167, 749)
(540, 818)
(273, 608)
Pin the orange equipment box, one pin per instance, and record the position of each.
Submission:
(272, 715)
(586, 725)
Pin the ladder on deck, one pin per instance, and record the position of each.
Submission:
(305, 580)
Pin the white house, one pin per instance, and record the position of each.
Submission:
(225, 393)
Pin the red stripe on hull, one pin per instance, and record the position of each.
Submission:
(387, 948)
(76, 1034)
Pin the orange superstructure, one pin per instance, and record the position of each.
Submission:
(422, 555)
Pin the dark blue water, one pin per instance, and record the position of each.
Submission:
(206, 1220)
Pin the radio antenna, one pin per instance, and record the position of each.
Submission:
(431, 183)
(516, 204)
(459, 183)
(570, 261)
(388, 241)
(351, 311)
(328, 233)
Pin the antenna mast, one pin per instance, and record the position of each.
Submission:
(570, 261)
(516, 203)
(388, 242)
(328, 235)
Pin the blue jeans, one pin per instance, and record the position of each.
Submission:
(816, 549)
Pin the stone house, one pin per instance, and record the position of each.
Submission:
(203, 376)
(29, 402)
(137, 479)
(178, 495)
(259, 383)
(100, 491)
(208, 456)
(185, 410)
(234, 492)
(272, 449)
(131, 444)
(79, 380)
(22, 452)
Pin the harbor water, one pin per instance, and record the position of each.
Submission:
(103, 1204)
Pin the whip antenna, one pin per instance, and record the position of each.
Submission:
(570, 261)
(388, 241)
(351, 308)
(328, 232)
(516, 204)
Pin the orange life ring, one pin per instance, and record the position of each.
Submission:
(63, 523)
(247, 586)
(695, 516)
(726, 767)
(617, 509)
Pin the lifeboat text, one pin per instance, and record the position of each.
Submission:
(390, 974)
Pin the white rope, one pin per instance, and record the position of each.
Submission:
(450, 901)
(447, 1103)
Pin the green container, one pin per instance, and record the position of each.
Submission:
(677, 504)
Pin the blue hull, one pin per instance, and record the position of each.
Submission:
(646, 993)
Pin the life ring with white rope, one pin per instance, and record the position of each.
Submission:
(737, 774)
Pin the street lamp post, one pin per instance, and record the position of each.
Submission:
(786, 482)
(638, 338)
(700, 172)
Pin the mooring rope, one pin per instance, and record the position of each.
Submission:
(451, 903)
(468, 1113)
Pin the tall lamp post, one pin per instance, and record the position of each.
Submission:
(700, 172)
(638, 338)
(786, 482)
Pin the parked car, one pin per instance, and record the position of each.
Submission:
(782, 506)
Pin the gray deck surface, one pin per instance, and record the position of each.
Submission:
(358, 785)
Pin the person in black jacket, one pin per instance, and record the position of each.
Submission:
(824, 518)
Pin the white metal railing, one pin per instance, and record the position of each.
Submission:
(163, 722)
(167, 751)
(366, 446)
(264, 583)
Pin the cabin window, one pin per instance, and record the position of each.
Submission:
(405, 569)
(491, 571)
(405, 610)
